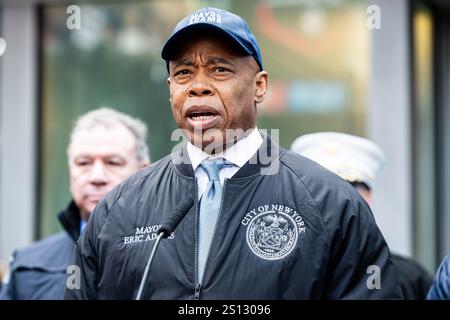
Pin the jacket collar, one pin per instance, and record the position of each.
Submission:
(70, 220)
(263, 161)
(237, 154)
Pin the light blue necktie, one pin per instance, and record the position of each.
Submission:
(209, 210)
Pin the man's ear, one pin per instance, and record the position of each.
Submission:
(168, 84)
(169, 79)
(261, 81)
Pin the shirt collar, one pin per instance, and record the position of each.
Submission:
(238, 154)
(82, 225)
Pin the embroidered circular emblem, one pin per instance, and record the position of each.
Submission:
(272, 235)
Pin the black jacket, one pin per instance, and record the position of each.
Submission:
(288, 229)
(413, 279)
(38, 272)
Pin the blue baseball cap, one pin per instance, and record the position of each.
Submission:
(221, 21)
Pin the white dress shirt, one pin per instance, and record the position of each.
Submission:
(238, 154)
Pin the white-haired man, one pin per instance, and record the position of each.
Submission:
(106, 146)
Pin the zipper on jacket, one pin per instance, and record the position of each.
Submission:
(197, 222)
(197, 292)
(198, 286)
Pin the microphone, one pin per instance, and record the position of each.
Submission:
(171, 222)
(168, 225)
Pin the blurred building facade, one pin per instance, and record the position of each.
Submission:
(377, 69)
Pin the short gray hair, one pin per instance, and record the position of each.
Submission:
(108, 118)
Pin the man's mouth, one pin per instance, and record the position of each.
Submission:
(200, 116)
(203, 117)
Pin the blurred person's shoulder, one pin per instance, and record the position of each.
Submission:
(51, 253)
(444, 271)
(411, 266)
(414, 279)
(440, 289)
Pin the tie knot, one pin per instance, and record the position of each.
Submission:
(213, 166)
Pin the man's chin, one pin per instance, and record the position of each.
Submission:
(85, 212)
(210, 141)
(91, 206)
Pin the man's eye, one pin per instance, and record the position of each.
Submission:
(182, 72)
(82, 163)
(220, 69)
(115, 162)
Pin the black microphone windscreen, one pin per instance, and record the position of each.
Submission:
(172, 220)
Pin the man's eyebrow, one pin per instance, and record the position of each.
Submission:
(211, 60)
(184, 62)
(82, 155)
(105, 155)
(216, 60)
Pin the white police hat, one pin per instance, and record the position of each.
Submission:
(353, 158)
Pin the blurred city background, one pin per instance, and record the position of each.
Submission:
(331, 69)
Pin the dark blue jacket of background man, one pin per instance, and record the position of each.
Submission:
(38, 272)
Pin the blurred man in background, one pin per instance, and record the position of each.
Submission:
(357, 160)
(105, 147)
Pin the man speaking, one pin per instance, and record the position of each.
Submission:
(279, 229)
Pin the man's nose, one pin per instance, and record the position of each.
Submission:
(200, 86)
(98, 174)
